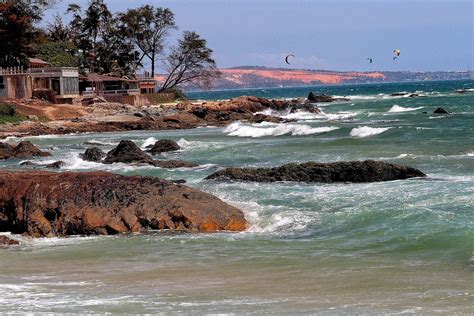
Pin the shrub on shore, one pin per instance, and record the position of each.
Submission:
(8, 114)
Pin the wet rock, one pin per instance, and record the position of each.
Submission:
(22, 150)
(94, 154)
(440, 111)
(223, 116)
(306, 108)
(398, 94)
(56, 165)
(316, 98)
(352, 171)
(46, 204)
(179, 181)
(7, 241)
(163, 145)
(173, 164)
(200, 112)
(128, 152)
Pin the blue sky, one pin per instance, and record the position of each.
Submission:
(327, 34)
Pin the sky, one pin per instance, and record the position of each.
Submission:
(433, 35)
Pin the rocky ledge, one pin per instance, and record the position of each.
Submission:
(352, 171)
(46, 204)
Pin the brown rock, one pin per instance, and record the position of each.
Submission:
(40, 203)
(163, 145)
(315, 98)
(22, 150)
(6, 241)
(128, 152)
(56, 165)
(94, 154)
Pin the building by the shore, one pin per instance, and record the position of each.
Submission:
(64, 84)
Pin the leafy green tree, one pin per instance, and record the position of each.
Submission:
(148, 27)
(91, 27)
(190, 62)
(116, 54)
(59, 54)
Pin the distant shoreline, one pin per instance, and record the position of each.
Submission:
(325, 85)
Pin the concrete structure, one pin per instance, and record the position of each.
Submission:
(15, 83)
(63, 81)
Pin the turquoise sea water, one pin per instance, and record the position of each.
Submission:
(393, 247)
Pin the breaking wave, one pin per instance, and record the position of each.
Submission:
(365, 131)
(272, 129)
(397, 109)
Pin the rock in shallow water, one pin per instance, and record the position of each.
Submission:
(352, 171)
(128, 152)
(162, 146)
(22, 150)
(40, 203)
(94, 154)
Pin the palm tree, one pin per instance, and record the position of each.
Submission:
(96, 19)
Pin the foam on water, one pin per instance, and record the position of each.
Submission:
(271, 129)
(366, 131)
(396, 109)
(149, 141)
(303, 115)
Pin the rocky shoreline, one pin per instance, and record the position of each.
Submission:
(186, 115)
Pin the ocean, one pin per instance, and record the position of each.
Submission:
(399, 247)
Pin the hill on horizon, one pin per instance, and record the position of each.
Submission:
(260, 76)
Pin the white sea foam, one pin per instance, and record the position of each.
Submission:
(365, 131)
(303, 115)
(100, 143)
(271, 129)
(396, 109)
(149, 141)
(192, 145)
(357, 97)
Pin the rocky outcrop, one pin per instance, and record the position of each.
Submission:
(322, 98)
(128, 152)
(40, 203)
(6, 241)
(162, 146)
(22, 150)
(353, 171)
(94, 154)
(316, 98)
(440, 111)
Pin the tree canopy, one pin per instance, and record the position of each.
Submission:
(97, 40)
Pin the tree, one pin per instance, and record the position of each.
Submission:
(190, 62)
(58, 32)
(148, 27)
(116, 53)
(16, 33)
(59, 54)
